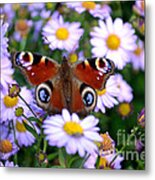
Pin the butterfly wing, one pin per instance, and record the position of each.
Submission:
(94, 72)
(37, 68)
(83, 97)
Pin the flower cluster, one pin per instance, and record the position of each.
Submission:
(108, 158)
(76, 30)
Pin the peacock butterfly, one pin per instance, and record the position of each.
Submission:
(71, 86)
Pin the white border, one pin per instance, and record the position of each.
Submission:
(69, 174)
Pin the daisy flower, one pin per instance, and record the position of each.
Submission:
(4, 40)
(108, 162)
(62, 35)
(96, 10)
(9, 104)
(107, 96)
(139, 7)
(5, 63)
(6, 73)
(125, 94)
(137, 56)
(23, 136)
(8, 164)
(115, 40)
(7, 144)
(22, 28)
(106, 154)
(38, 25)
(72, 133)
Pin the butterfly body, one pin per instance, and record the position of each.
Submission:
(66, 85)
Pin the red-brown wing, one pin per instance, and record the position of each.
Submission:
(37, 68)
(94, 72)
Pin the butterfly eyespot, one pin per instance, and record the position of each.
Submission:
(104, 65)
(43, 95)
(88, 97)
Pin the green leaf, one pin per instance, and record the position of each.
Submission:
(35, 120)
(72, 160)
(62, 158)
(30, 129)
(52, 156)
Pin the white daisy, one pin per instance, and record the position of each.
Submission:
(4, 40)
(108, 153)
(23, 136)
(115, 40)
(72, 133)
(137, 56)
(5, 63)
(107, 96)
(7, 143)
(106, 148)
(9, 104)
(125, 94)
(96, 10)
(6, 73)
(62, 35)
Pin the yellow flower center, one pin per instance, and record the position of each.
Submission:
(138, 51)
(5, 146)
(113, 42)
(10, 102)
(73, 128)
(89, 5)
(62, 34)
(124, 109)
(100, 93)
(20, 127)
(73, 58)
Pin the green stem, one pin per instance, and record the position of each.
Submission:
(123, 147)
(45, 146)
(23, 44)
(84, 160)
(27, 105)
